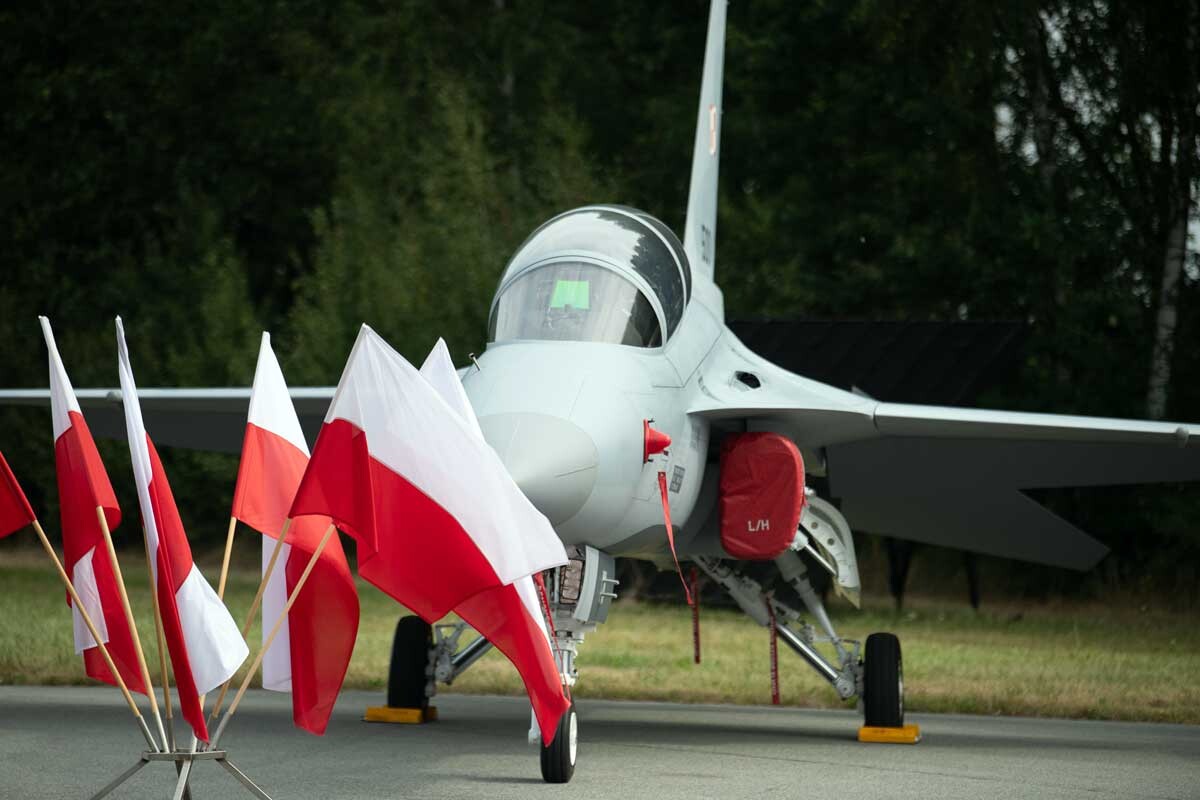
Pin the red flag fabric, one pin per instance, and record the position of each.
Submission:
(15, 511)
(437, 517)
(205, 645)
(509, 616)
(83, 486)
(311, 653)
(399, 471)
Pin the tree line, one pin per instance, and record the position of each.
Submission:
(212, 170)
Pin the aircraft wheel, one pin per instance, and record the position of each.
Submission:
(558, 759)
(407, 678)
(883, 682)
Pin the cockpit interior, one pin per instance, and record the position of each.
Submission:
(596, 274)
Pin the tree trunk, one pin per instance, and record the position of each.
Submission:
(1039, 75)
(507, 87)
(1168, 312)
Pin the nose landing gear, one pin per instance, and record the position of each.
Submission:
(579, 595)
(558, 758)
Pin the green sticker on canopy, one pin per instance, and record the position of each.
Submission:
(570, 293)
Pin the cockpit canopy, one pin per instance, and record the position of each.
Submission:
(599, 274)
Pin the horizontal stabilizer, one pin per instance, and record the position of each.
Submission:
(902, 464)
(1002, 523)
(966, 493)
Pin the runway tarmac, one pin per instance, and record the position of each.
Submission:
(68, 742)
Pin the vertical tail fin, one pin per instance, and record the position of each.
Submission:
(700, 232)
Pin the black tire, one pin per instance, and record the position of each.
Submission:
(883, 682)
(407, 679)
(558, 759)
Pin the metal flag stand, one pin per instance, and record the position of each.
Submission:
(184, 760)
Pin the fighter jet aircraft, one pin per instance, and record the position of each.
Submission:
(607, 336)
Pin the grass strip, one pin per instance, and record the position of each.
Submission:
(1060, 660)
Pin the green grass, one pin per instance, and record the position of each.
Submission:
(1089, 661)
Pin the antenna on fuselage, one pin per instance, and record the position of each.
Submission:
(700, 230)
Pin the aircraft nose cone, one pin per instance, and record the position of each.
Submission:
(552, 460)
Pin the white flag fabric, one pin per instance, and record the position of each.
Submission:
(438, 369)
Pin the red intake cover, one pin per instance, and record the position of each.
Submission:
(762, 494)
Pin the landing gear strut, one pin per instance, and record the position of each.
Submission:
(877, 678)
(579, 595)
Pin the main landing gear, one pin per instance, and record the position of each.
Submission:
(883, 682)
(877, 677)
(410, 683)
(579, 594)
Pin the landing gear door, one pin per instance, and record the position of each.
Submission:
(598, 589)
(831, 535)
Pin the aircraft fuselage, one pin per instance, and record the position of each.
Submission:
(567, 419)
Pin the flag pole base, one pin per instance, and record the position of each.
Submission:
(400, 716)
(184, 760)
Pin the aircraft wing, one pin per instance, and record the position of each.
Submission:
(949, 476)
(200, 419)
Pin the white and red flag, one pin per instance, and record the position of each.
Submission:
(436, 515)
(15, 511)
(311, 653)
(83, 486)
(202, 638)
(509, 616)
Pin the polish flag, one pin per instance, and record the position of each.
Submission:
(202, 638)
(509, 616)
(15, 511)
(311, 653)
(437, 517)
(83, 487)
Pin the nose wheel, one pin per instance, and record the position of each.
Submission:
(558, 758)
(410, 679)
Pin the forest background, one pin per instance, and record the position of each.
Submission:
(212, 170)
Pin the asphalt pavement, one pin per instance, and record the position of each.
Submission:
(58, 742)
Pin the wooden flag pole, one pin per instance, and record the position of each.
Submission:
(162, 646)
(137, 642)
(96, 637)
(237, 699)
(262, 587)
(162, 658)
(225, 560)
